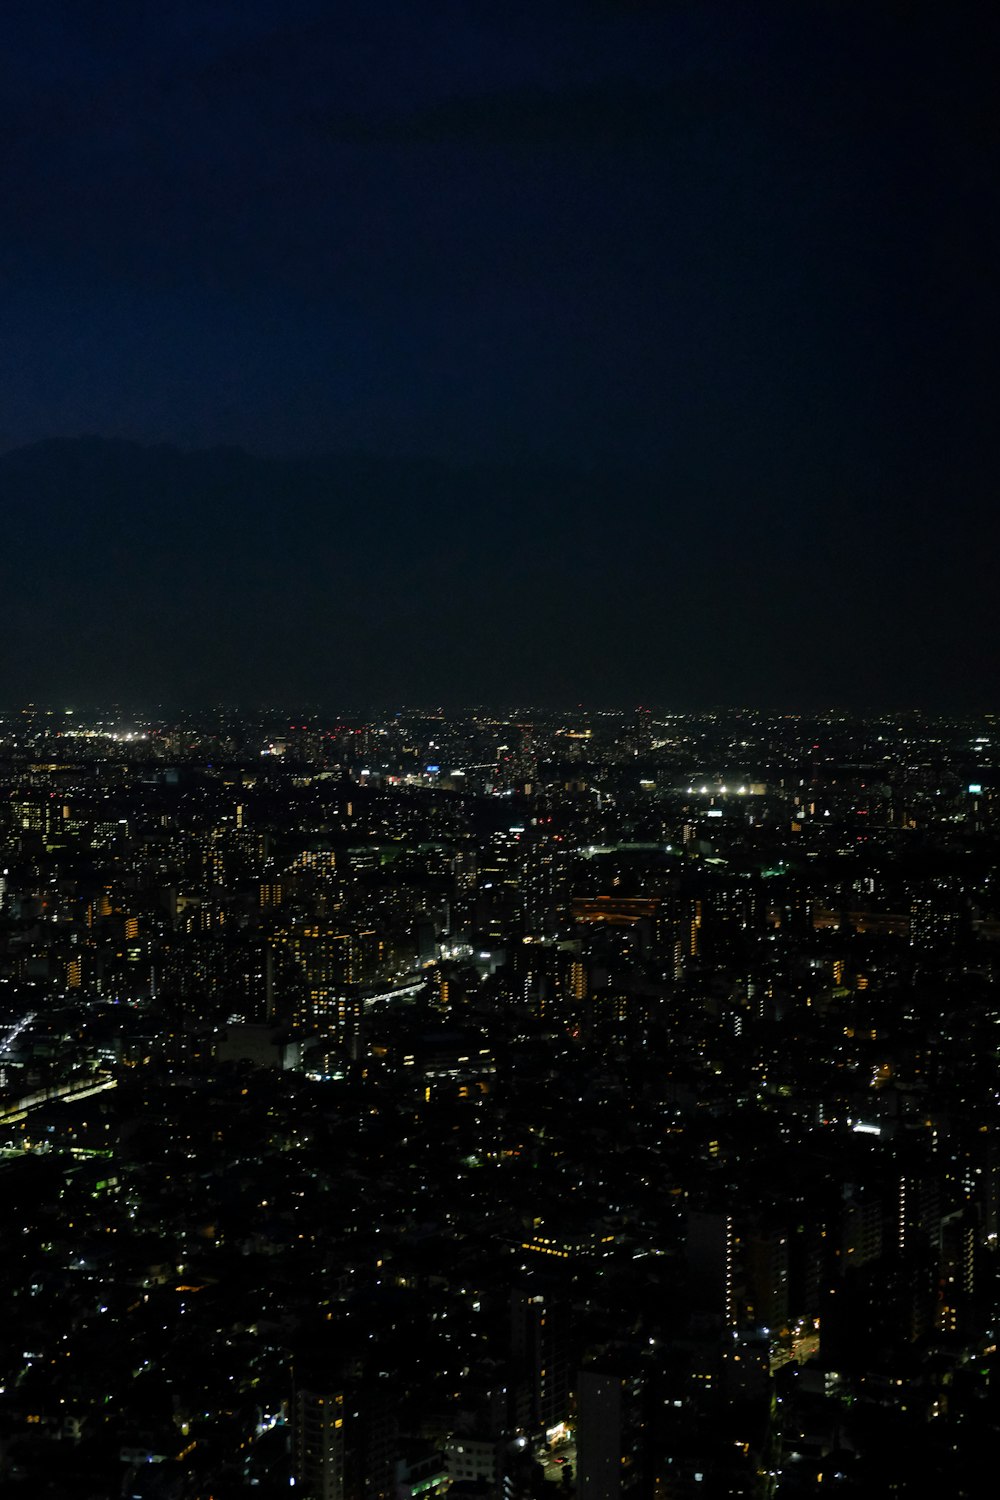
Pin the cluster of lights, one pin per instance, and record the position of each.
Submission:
(126, 736)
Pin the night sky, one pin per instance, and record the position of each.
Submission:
(465, 352)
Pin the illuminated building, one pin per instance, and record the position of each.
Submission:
(326, 1452)
(540, 1337)
(710, 1251)
(332, 964)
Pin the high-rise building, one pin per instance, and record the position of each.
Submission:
(710, 1251)
(540, 1349)
(614, 1435)
(344, 1431)
(326, 1457)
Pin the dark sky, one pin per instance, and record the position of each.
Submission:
(670, 330)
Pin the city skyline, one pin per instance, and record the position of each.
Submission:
(485, 1107)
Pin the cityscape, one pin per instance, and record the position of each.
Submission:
(499, 750)
(498, 1104)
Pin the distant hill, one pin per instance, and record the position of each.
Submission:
(123, 562)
